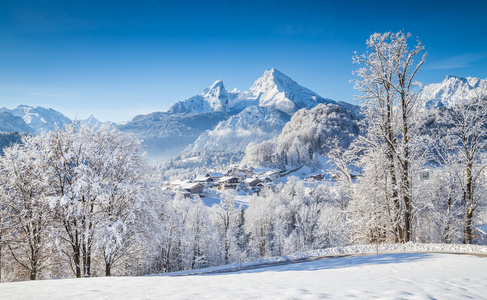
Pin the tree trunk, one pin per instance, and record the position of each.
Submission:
(408, 234)
(468, 201)
(33, 274)
(77, 261)
(108, 269)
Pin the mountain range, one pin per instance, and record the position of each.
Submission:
(219, 119)
(452, 90)
(223, 120)
(38, 120)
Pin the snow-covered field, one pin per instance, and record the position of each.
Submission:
(383, 276)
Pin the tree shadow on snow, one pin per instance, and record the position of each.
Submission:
(324, 263)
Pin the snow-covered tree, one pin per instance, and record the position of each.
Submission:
(465, 143)
(387, 79)
(96, 185)
(25, 209)
(225, 216)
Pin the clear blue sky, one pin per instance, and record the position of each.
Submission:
(116, 59)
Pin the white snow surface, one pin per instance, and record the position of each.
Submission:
(412, 275)
(451, 91)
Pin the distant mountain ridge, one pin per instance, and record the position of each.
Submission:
(38, 120)
(41, 119)
(451, 91)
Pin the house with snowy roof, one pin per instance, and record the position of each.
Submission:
(228, 182)
(272, 175)
(192, 188)
(250, 182)
(214, 175)
(203, 179)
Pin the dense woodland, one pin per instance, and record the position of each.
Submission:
(83, 201)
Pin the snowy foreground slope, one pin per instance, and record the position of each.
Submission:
(383, 276)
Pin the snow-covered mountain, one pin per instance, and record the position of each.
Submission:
(253, 124)
(273, 90)
(451, 91)
(40, 119)
(276, 90)
(214, 98)
(221, 119)
(166, 134)
(91, 121)
(10, 123)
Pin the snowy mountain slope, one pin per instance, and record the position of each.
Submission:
(40, 119)
(166, 134)
(214, 98)
(253, 124)
(276, 90)
(451, 91)
(11, 123)
(91, 121)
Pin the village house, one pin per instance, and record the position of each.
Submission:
(214, 175)
(239, 175)
(251, 182)
(228, 182)
(193, 188)
(316, 176)
(203, 180)
(249, 171)
(178, 183)
(272, 175)
(266, 185)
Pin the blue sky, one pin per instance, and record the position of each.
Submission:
(116, 59)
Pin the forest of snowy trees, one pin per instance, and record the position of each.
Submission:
(83, 202)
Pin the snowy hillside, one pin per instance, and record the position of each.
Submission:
(451, 91)
(253, 124)
(310, 132)
(40, 119)
(386, 276)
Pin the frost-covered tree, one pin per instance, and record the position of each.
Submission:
(119, 166)
(225, 217)
(259, 219)
(465, 144)
(96, 189)
(25, 209)
(387, 80)
(307, 135)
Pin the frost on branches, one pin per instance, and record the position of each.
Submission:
(390, 144)
(73, 195)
